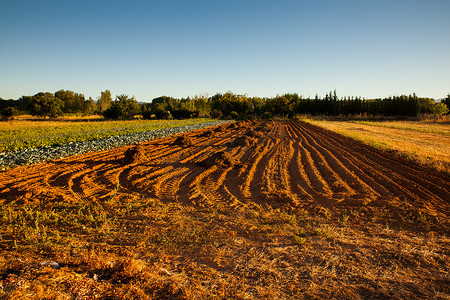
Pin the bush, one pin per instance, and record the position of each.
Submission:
(183, 113)
(161, 114)
(216, 114)
(146, 111)
(146, 114)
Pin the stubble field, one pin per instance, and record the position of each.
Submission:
(267, 210)
(425, 142)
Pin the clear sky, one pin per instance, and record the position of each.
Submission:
(368, 48)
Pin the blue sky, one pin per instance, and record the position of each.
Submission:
(260, 48)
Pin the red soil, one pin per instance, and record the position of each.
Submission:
(278, 164)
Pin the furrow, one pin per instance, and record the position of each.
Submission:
(353, 167)
(166, 186)
(328, 167)
(346, 178)
(374, 170)
(390, 171)
(313, 174)
(252, 184)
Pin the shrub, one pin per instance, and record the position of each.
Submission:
(161, 114)
(216, 114)
(183, 113)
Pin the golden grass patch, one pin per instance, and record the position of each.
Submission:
(424, 142)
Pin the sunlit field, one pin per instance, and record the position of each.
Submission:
(427, 143)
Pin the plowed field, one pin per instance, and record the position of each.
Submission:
(291, 169)
(276, 164)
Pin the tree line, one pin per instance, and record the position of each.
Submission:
(66, 102)
(234, 106)
(227, 105)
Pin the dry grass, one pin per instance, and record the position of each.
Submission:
(424, 142)
(151, 250)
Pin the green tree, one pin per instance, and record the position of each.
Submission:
(201, 104)
(439, 109)
(7, 103)
(73, 102)
(25, 104)
(154, 110)
(446, 101)
(425, 105)
(46, 104)
(123, 107)
(8, 113)
(230, 105)
(167, 103)
(160, 112)
(89, 107)
(104, 101)
(283, 105)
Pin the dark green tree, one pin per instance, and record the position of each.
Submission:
(89, 107)
(72, 102)
(46, 104)
(425, 105)
(25, 104)
(154, 111)
(168, 103)
(7, 103)
(8, 113)
(160, 112)
(123, 107)
(231, 105)
(184, 113)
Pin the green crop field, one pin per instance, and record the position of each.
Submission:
(16, 135)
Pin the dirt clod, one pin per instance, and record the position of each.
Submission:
(221, 159)
(244, 141)
(134, 155)
(254, 134)
(182, 140)
(207, 133)
(220, 129)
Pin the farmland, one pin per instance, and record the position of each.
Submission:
(35, 133)
(424, 142)
(268, 210)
